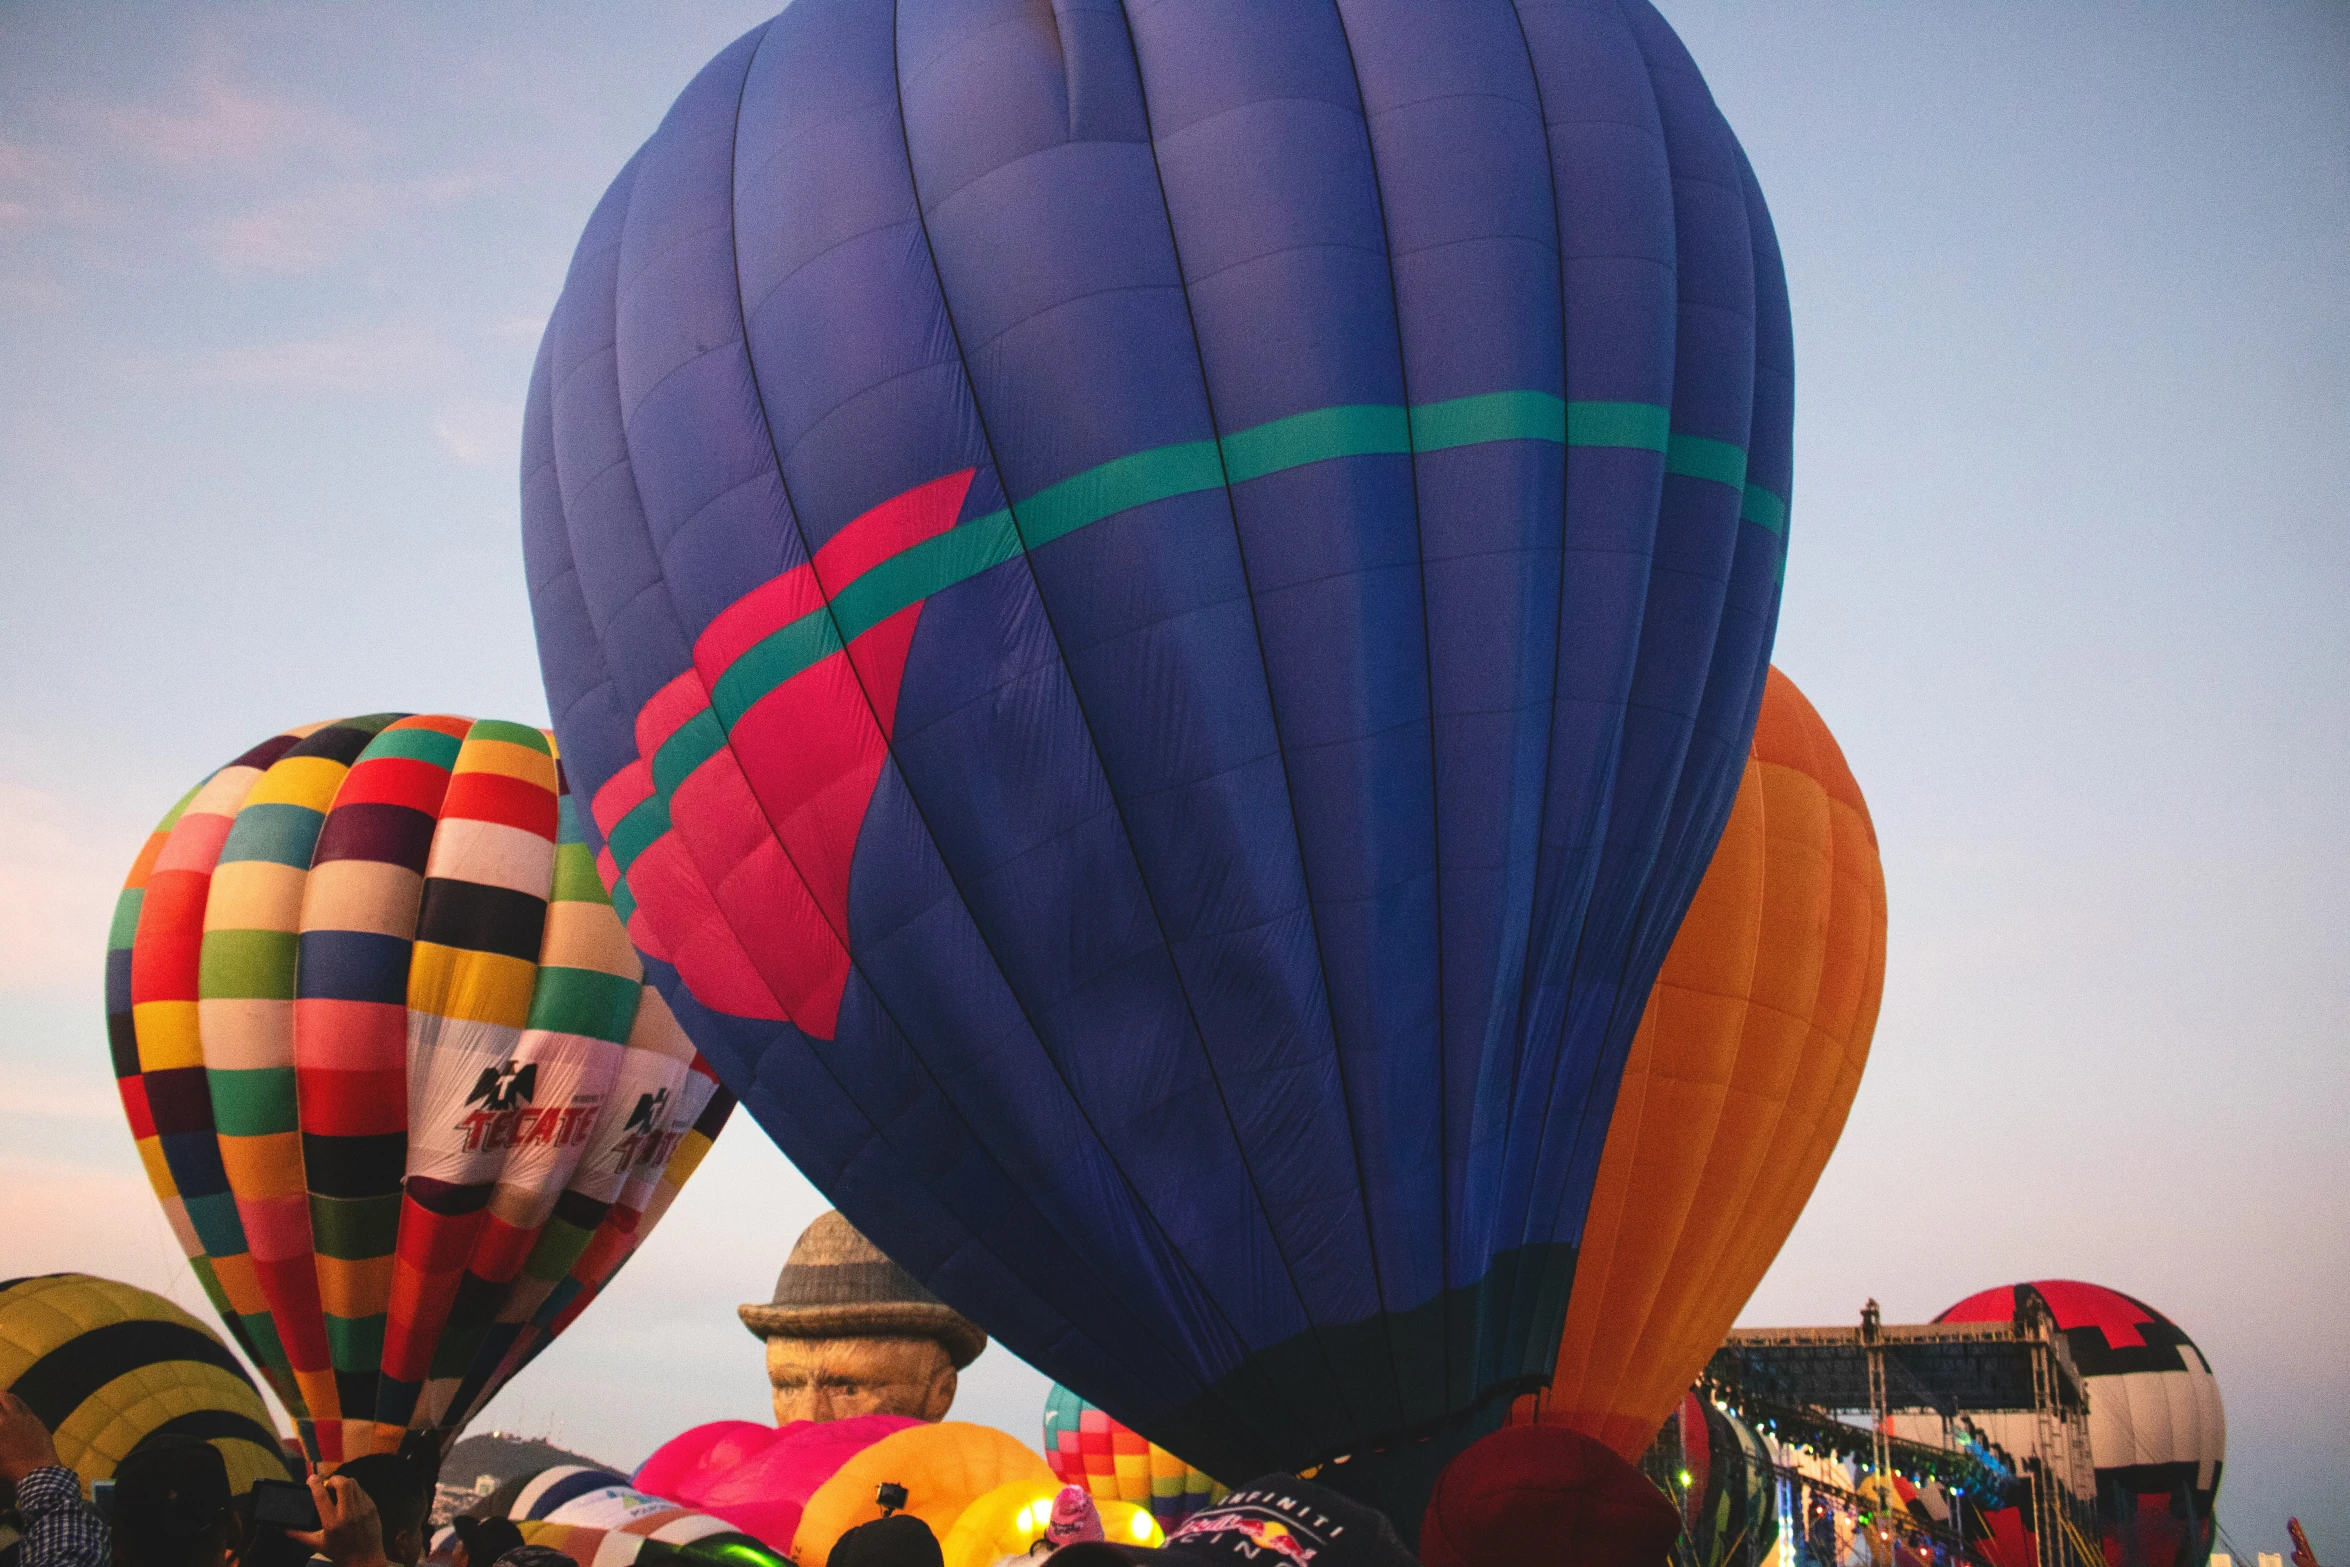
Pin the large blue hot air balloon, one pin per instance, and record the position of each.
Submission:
(1160, 607)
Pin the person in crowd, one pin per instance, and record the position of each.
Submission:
(60, 1530)
(534, 1556)
(1075, 1518)
(403, 1503)
(172, 1506)
(482, 1541)
(349, 1532)
(260, 1544)
(900, 1540)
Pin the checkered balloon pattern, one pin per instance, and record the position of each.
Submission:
(392, 1066)
(1117, 1464)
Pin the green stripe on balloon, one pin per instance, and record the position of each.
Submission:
(584, 1002)
(514, 734)
(1125, 483)
(355, 1341)
(253, 1101)
(430, 746)
(354, 1229)
(247, 965)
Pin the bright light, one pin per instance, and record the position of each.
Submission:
(1026, 1521)
(1140, 1528)
(1684, 1477)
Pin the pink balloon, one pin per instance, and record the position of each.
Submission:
(757, 1477)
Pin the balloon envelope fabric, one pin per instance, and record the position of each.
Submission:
(392, 1067)
(799, 1487)
(599, 1520)
(1160, 611)
(1740, 1078)
(105, 1366)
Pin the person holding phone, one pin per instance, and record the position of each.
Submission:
(60, 1530)
(350, 1531)
(403, 1501)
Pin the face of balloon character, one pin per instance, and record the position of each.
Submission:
(834, 1378)
(1159, 610)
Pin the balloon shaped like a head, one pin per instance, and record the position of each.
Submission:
(849, 1332)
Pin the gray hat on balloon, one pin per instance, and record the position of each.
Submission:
(849, 1332)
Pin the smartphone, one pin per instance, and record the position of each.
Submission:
(284, 1504)
(102, 1499)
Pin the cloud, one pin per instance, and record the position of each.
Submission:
(298, 233)
(224, 127)
(38, 187)
(317, 227)
(358, 360)
(479, 432)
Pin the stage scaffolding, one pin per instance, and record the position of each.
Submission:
(1912, 1382)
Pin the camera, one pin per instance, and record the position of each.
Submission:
(890, 1495)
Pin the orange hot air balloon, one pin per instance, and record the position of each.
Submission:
(1739, 1079)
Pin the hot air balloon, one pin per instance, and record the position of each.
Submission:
(1012, 1520)
(106, 1365)
(1116, 1463)
(2158, 1436)
(1745, 1064)
(598, 1520)
(800, 1487)
(1721, 1476)
(1160, 612)
(392, 1066)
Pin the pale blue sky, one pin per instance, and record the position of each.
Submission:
(2070, 566)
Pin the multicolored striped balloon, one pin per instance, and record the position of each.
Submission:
(599, 1520)
(1117, 1464)
(392, 1065)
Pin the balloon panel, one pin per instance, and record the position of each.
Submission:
(1144, 709)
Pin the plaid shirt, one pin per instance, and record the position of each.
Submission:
(59, 1528)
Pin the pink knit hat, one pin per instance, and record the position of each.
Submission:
(1075, 1518)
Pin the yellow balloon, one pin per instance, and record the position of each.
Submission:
(106, 1365)
(1009, 1520)
(944, 1467)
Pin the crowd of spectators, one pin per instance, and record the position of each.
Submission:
(1521, 1503)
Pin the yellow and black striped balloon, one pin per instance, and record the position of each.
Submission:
(106, 1365)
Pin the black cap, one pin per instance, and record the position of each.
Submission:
(1269, 1522)
(536, 1556)
(901, 1540)
(170, 1488)
(486, 1539)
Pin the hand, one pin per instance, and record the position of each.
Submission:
(24, 1441)
(350, 1532)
